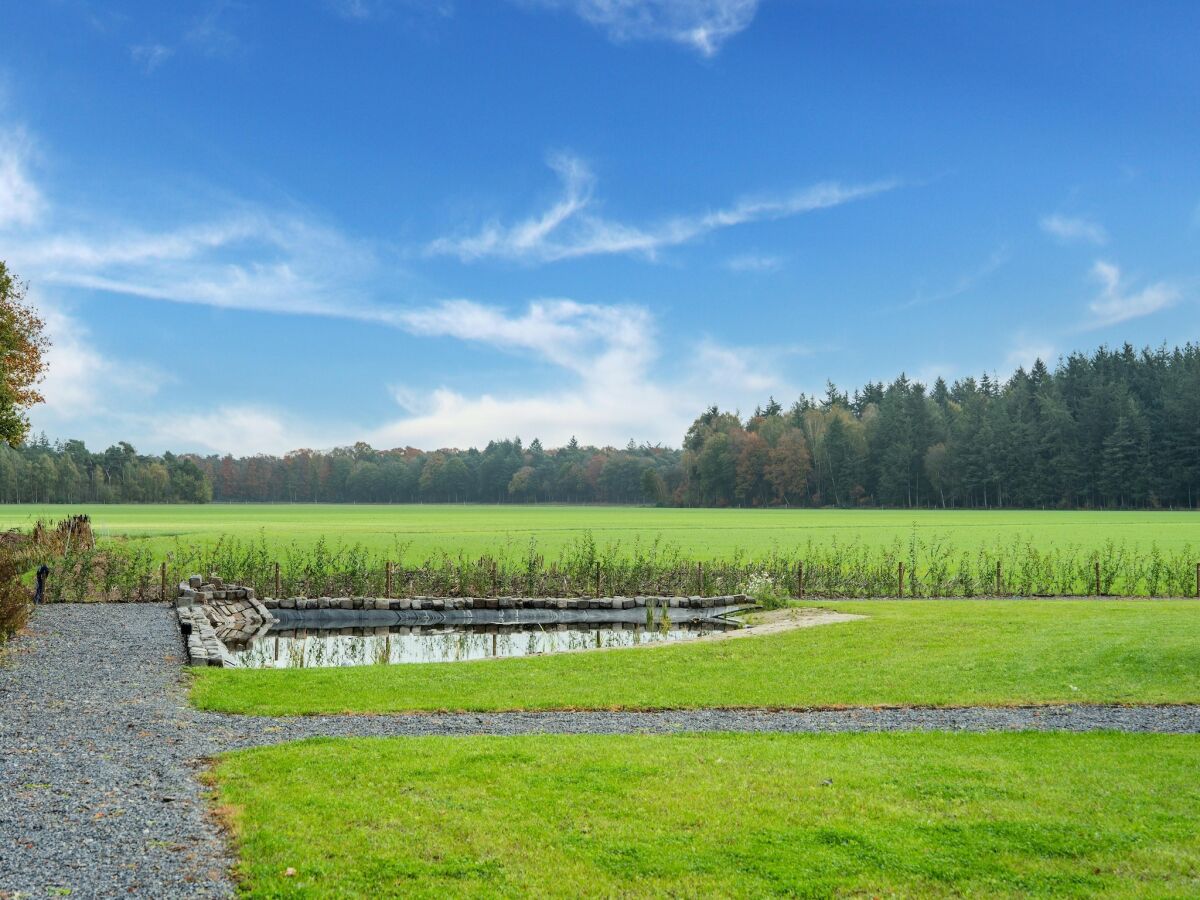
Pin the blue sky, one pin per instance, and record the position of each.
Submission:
(257, 226)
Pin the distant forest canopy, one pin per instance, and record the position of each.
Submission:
(1114, 429)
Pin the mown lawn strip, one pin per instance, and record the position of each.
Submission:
(730, 815)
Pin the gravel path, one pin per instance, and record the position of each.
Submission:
(98, 761)
(99, 750)
(252, 731)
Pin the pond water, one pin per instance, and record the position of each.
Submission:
(454, 643)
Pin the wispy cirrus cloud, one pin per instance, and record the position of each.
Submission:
(372, 10)
(149, 57)
(701, 25)
(21, 201)
(247, 258)
(963, 284)
(585, 338)
(569, 229)
(1027, 350)
(1117, 302)
(754, 262)
(212, 33)
(80, 378)
(1074, 229)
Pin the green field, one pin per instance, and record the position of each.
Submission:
(932, 652)
(931, 815)
(700, 533)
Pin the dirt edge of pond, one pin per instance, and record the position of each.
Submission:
(776, 621)
(755, 623)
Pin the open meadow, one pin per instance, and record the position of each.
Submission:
(703, 534)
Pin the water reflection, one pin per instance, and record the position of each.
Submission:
(452, 643)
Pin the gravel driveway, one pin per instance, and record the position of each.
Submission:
(99, 750)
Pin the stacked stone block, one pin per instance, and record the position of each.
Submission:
(213, 615)
(466, 603)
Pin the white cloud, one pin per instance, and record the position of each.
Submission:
(1074, 229)
(240, 429)
(1117, 303)
(614, 386)
(964, 284)
(568, 230)
(930, 372)
(248, 259)
(744, 371)
(80, 379)
(592, 415)
(149, 57)
(369, 10)
(702, 25)
(209, 33)
(1027, 350)
(20, 200)
(591, 340)
(754, 262)
(608, 392)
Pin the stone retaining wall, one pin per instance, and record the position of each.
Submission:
(464, 603)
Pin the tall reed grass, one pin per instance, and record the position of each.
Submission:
(918, 567)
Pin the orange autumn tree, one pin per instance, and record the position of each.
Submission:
(22, 366)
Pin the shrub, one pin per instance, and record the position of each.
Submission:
(762, 589)
(14, 598)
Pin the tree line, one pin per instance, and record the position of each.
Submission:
(1117, 428)
(1114, 429)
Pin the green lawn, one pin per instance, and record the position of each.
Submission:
(729, 815)
(701, 533)
(935, 652)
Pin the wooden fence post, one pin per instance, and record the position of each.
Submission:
(700, 577)
(999, 580)
(278, 589)
(1097, 578)
(900, 581)
(163, 591)
(495, 589)
(388, 581)
(800, 580)
(597, 581)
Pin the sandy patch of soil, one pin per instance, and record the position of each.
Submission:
(778, 620)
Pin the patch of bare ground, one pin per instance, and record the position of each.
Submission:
(775, 621)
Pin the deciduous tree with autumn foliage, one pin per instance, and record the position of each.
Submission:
(22, 364)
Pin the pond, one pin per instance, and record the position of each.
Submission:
(455, 642)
